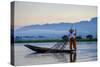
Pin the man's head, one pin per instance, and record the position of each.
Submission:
(71, 30)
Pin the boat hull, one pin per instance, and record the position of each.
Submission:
(47, 50)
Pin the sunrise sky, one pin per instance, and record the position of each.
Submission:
(31, 13)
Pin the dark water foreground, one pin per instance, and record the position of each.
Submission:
(86, 51)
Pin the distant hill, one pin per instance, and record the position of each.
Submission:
(57, 30)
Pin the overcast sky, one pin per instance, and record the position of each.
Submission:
(30, 13)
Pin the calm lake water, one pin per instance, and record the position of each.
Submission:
(86, 51)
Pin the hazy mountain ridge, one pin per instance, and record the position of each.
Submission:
(59, 26)
(59, 29)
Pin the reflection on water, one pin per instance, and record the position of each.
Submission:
(73, 57)
(84, 52)
(62, 57)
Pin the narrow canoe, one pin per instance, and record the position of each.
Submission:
(45, 50)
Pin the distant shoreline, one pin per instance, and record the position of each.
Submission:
(53, 40)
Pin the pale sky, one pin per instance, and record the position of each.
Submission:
(30, 13)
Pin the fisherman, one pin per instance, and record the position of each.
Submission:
(72, 39)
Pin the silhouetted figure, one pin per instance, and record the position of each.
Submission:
(72, 39)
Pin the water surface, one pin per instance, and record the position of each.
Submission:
(86, 51)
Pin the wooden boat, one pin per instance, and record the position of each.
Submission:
(47, 50)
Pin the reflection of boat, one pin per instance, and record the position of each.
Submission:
(44, 50)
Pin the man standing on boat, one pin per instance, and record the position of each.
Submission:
(72, 39)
